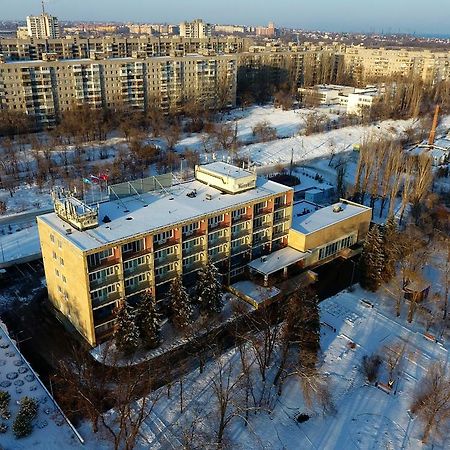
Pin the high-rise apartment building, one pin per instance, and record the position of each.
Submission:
(43, 26)
(43, 89)
(151, 232)
(195, 29)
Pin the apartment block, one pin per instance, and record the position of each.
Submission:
(117, 47)
(44, 89)
(43, 26)
(373, 63)
(195, 29)
(151, 231)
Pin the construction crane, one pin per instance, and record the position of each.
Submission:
(432, 136)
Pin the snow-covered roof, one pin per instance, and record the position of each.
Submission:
(51, 430)
(225, 169)
(259, 294)
(317, 219)
(157, 210)
(278, 260)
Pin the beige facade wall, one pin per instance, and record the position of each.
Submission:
(67, 280)
(357, 225)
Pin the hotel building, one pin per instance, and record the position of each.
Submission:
(152, 230)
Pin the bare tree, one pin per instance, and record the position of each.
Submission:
(432, 402)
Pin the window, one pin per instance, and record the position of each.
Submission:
(238, 213)
(61, 261)
(57, 272)
(163, 236)
(214, 221)
(133, 247)
(54, 255)
(64, 279)
(97, 258)
(59, 244)
(189, 229)
(52, 238)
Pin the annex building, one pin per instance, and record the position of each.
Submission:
(153, 230)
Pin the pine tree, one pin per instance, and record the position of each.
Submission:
(371, 262)
(147, 320)
(390, 248)
(180, 304)
(209, 290)
(126, 333)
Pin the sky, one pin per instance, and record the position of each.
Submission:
(389, 16)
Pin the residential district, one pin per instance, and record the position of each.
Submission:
(222, 236)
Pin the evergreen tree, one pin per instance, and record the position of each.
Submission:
(209, 290)
(22, 425)
(390, 248)
(371, 262)
(180, 304)
(147, 320)
(126, 333)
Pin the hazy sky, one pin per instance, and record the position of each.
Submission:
(420, 16)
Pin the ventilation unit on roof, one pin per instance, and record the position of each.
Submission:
(263, 258)
(208, 197)
(337, 208)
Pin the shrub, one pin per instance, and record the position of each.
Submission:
(22, 425)
(371, 365)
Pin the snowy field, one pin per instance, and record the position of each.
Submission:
(51, 431)
(366, 416)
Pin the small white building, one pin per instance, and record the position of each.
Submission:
(360, 100)
(353, 100)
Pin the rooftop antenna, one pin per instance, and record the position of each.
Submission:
(43, 7)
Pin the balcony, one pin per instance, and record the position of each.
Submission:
(193, 249)
(241, 219)
(193, 267)
(240, 234)
(217, 226)
(280, 234)
(139, 287)
(166, 276)
(263, 211)
(261, 227)
(277, 220)
(159, 245)
(136, 270)
(100, 302)
(103, 264)
(239, 249)
(96, 284)
(219, 257)
(193, 234)
(260, 241)
(167, 259)
(132, 255)
(218, 241)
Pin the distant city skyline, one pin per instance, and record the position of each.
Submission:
(389, 16)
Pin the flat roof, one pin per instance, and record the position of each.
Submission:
(316, 219)
(223, 168)
(164, 208)
(259, 294)
(277, 260)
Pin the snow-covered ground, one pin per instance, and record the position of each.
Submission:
(50, 428)
(366, 417)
